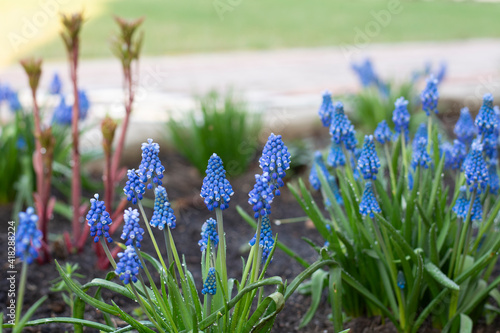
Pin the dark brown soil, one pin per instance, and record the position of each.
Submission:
(183, 184)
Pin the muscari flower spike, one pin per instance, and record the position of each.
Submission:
(216, 189)
(163, 213)
(83, 105)
(55, 85)
(28, 237)
(365, 72)
(401, 281)
(462, 204)
(430, 96)
(62, 113)
(477, 210)
(275, 160)
(210, 285)
(465, 129)
(261, 196)
(13, 100)
(332, 182)
(266, 241)
(313, 175)
(420, 133)
(494, 182)
(475, 168)
(420, 156)
(134, 188)
(128, 266)
(325, 111)
(98, 219)
(336, 156)
(401, 116)
(368, 162)
(341, 129)
(487, 120)
(151, 167)
(383, 133)
(490, 145)
(454, 154)
(132, 231)
(208, 231)
(369, 204)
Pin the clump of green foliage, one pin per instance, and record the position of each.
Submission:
(223, 126)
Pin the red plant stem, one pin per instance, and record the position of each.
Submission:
(108, 181)
(76, 181)
(128, 110)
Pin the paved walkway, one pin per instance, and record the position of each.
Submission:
(285, 84)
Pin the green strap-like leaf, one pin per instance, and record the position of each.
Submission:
(440, 277)
(66, 320)
(317, 284)
(465, 324)
(19, 326)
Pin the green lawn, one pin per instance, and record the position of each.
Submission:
(180, 26)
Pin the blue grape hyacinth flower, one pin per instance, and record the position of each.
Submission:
(128, 266)
(477, 210)
(216, 189)
(420, 133)
(369, 204)
(462, 204)
(209, 231)
(365, 72)
(134, 188)
(98, 220)
(383, 133)
(13, 100)
(494, 182)
(210, 285)
(420, 155)
(132, 231)
(163, 213)
(401, 116)
(368, 162)
(465, 129)
(454, 154)
(55, 85)
(336, 156)
(325, 111)
(151, 167)
(28, 237)
(275, 160)
(430, 96)
(62, 113)
(490, 145)
(341, 129)
(261, 196)
(487, 120)
(83, 105)
(313, 175)
(332, 183)
(266, 241)
(475, 168)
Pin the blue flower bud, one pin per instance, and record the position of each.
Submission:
(216, 189)
(163, 213)
(151, 167)
(98, 220)
(209, 231)
(132, 231)
(368, 162)
(369, 204)
(28, 237)
(210, 285)
(430, 96)
(128, 265)
(134, 188)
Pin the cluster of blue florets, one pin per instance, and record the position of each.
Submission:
(208, 231)
(128, 266)
(313, 175)
(132, 231)
(368, 77)
(210, 285)
(28, 237)
(465, 130)
(151, 168)
(383, 133)
(163, 214)
(341, 129)
(325, 111)
(494, 181)
(336, 156)
(368, 162)
(98, 220)
(55, 85)
(261, 196)
(475, 168)
(216, 189)
(275, 160)
(454, 154)
(487, 119)
(134, 188)
(420, 155)
(430, 96)
(369, 204)
(401, 116)
(266, 241)
(63, 113)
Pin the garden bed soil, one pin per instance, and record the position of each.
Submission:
(183, 185)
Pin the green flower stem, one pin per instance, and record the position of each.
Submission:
(158, 319)
(141, 303)
(256, 259)
(108, 254)
(429, 133)
(146, 221)
(349, 172)
(168, 245)
(465, 234)
(208, 309)
(403, 154)
(22, 287)
(391, 170)
(221, 254)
